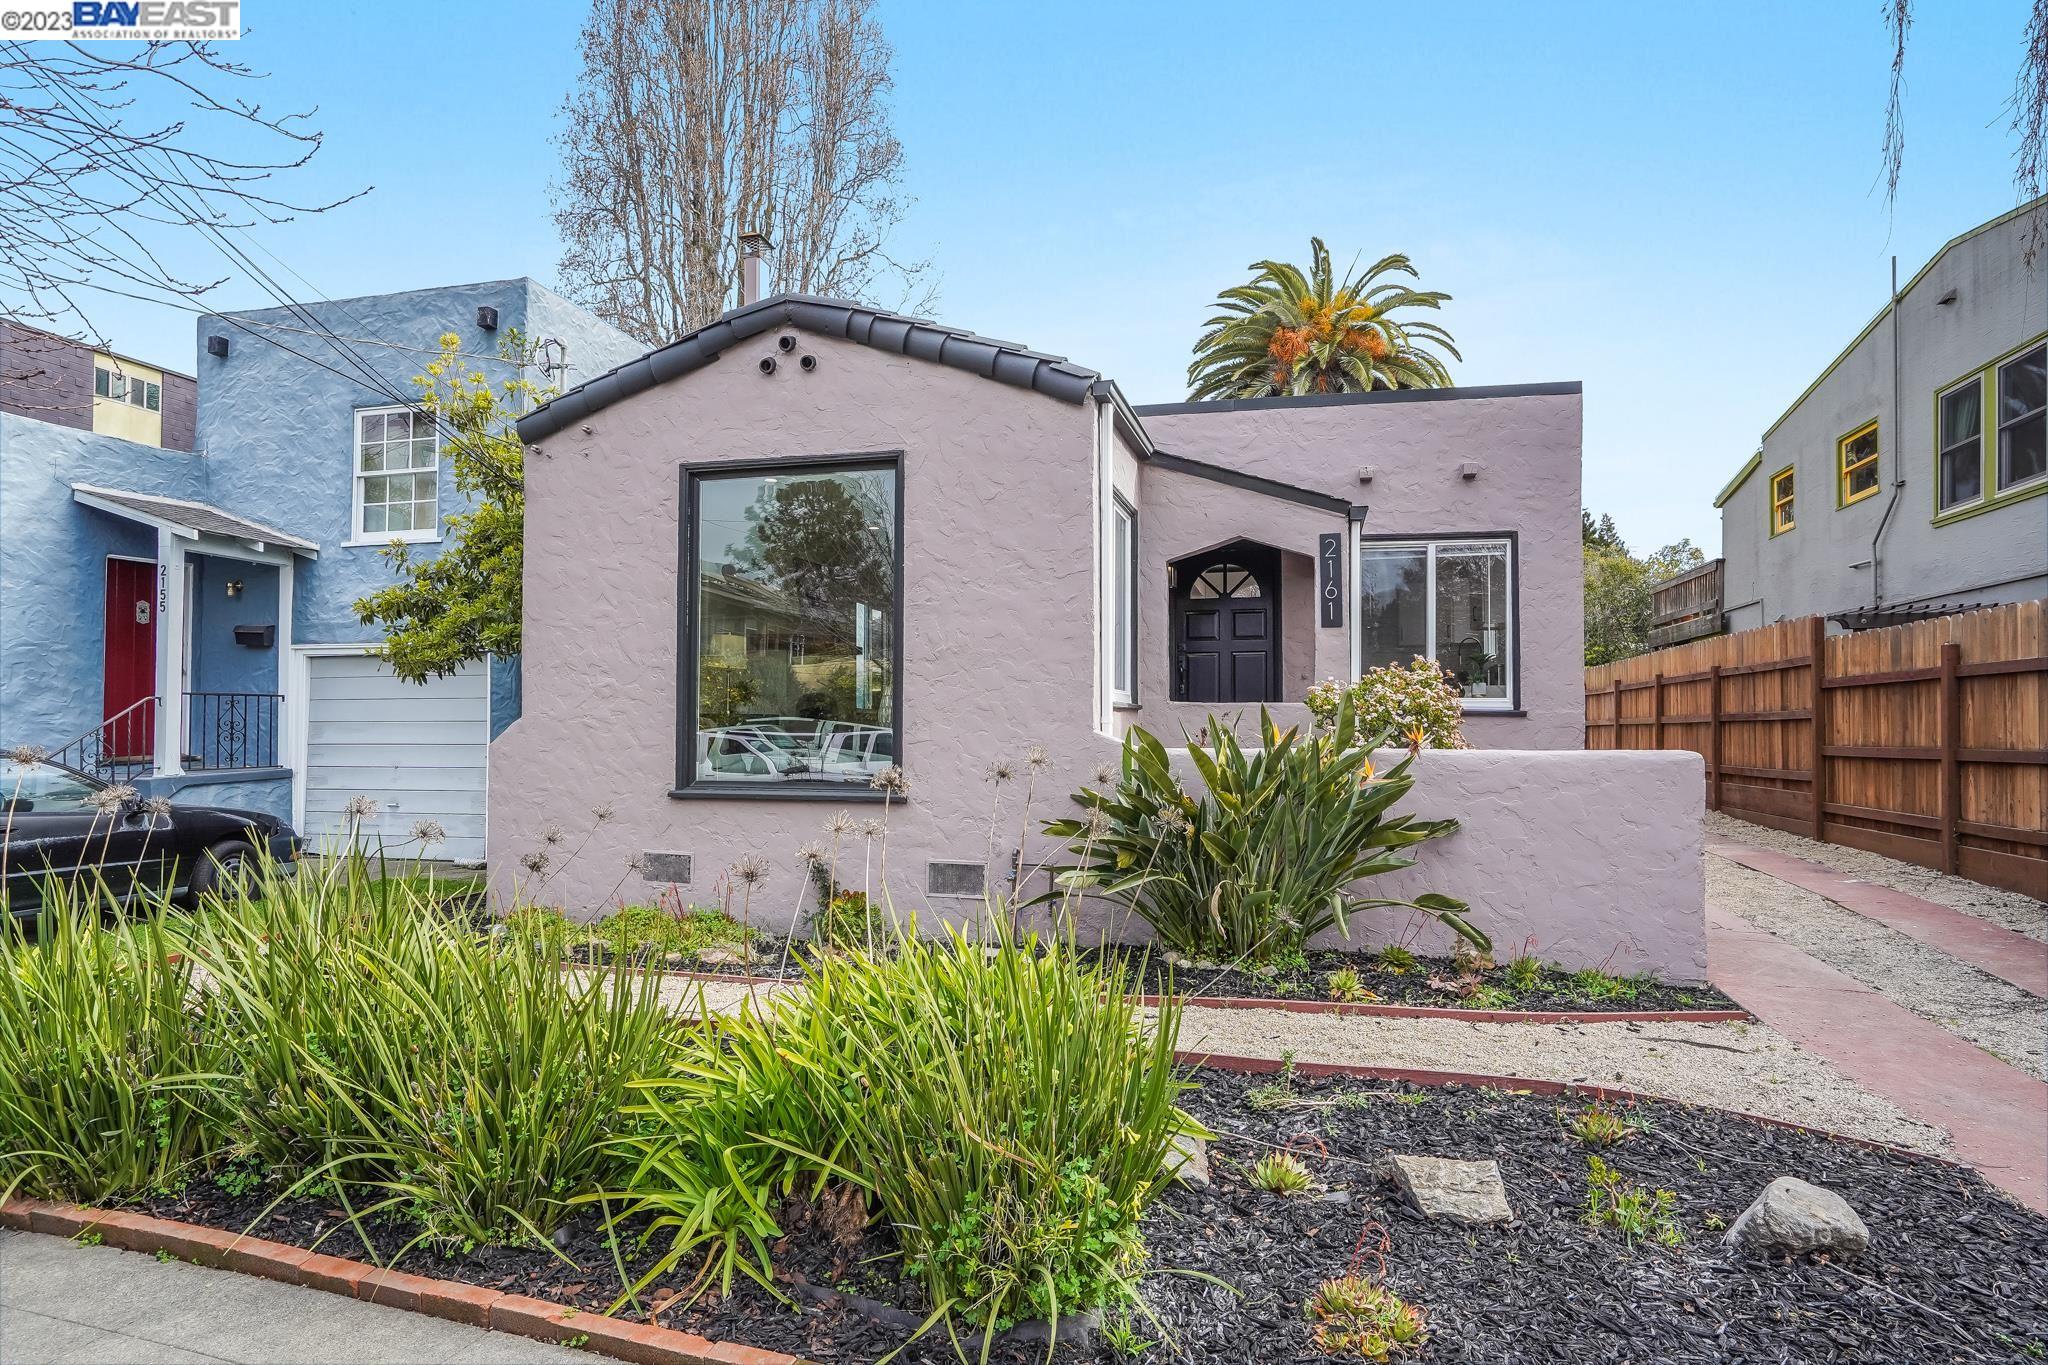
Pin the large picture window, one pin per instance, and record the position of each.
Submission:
(1447, 600)
(791, 645)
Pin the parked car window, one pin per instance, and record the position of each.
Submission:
(1858, 458)
(1961, 442)
(795, 654)
(397, 475)
(1448, 600)
(43, 788)
(2023, 419)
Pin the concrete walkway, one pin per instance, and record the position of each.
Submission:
(60, 1301)
(1996, 1114)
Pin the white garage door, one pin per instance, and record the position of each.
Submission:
(419, 752)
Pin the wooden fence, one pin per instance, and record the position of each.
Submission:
(1932, 737)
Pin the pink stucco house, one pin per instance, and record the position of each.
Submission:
(813, 541)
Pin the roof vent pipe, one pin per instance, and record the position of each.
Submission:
(754, 246)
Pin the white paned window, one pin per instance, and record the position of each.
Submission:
(1448, 600)
(1124, 604)
(397, 475)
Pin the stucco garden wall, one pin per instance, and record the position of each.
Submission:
(1528, 448)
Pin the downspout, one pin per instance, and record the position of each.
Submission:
(1898, 471)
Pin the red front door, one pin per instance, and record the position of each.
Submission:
(131, 658)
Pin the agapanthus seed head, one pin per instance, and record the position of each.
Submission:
(1099, 824)
(1106, 775)
(637, 863)
(1172, 818)
(111, 798)
(892, 780)
(1000, 771)
(157, 806)
(552, 835)
(810, 855)
(1036, 758)
(25, 754)
(602, 813)
(841, 824)
(535, 862)
(360, 808)
(872, 829)
(751, 870)
(429, 832)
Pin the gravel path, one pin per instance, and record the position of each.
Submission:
(2007, 909)
(1730, 1066)
(1997, 1016)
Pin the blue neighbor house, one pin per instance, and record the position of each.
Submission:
(180, 556)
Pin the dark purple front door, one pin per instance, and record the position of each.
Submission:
(1226, 627)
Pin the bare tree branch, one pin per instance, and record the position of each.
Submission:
(1898, 20)
(693, 120)
(91, 190)
(2030, 121)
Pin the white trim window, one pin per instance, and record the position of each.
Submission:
(397, 476)
(1449, 599)
(1123, 603)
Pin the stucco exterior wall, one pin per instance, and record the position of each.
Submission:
(1528, 448)
(1586, 859)
(1824, 564)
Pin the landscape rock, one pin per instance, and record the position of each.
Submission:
(1468, 1192)
(1791, 1215)
(720, 957)
(1187, 1161)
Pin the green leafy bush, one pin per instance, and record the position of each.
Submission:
(1638, 1214)
(111, 1061)
(1005, 1112)
(474, 1084)
(1265, 858)
(849, 920)
(1416, 704)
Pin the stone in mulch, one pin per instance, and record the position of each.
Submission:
(1468, 1192)
(1959, 1274)
(1187, 1161)
(1793, 1216)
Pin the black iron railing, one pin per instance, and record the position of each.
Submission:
(120, 748)
(231, 730)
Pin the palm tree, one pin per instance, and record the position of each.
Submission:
(1289, 333)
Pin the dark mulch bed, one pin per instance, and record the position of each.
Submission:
(1957, 1272)
(1432, 981)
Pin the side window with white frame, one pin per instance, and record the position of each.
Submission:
(397, 475)
(1451, 600)
(1123, 607)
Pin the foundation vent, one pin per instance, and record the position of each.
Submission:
(669, 868)
(956, 879)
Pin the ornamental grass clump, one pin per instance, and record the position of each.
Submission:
(1266, 857)
(467, 1081)
(1005, 1112)
(112, 1063)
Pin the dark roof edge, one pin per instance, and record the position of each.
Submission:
(1002, 361)
(1329, 400)
(1251, 483)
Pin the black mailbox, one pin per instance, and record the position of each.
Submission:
(256, 637)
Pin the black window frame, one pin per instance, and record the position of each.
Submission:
(688, 785)
(1516, 707)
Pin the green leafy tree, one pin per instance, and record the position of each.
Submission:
(1618, 588)
(464, 604)
(1286, 332)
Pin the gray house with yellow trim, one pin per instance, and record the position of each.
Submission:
(1908, 479)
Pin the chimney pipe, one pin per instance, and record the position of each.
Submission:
(753, 247)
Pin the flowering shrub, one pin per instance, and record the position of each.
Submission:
(1418, 701)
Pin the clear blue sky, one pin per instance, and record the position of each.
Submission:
(1677, 205)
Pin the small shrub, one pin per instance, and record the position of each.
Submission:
(1357, 1316)
(1417, 704)
(1345, 985)
(1398, 960)
(850, 920)
(1282, 1173)
(1266, 857)
(1597, 1125)
(1525, 974)
(1593, 984)
(1639, 1215)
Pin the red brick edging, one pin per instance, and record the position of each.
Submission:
(1383, 1011)
(638, 1342)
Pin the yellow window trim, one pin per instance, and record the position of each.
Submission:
(1844, 467)
(1783, 514)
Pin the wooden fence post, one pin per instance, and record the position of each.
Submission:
(1951, 741)
(1817, 645)
(1714, 737)
(1614, 690)
(1657, 711)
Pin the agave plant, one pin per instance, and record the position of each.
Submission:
(1287, 332)
(1268, 856)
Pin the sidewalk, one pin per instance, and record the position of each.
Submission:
(62, 1302)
